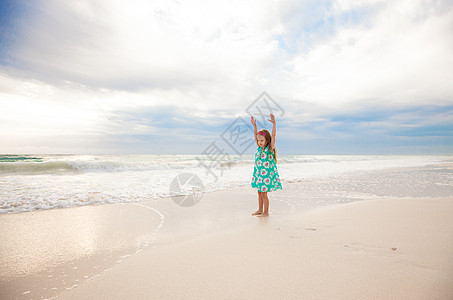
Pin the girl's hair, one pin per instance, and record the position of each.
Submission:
(268, 138)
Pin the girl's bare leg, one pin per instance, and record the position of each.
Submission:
(266, 205)
(260, 204)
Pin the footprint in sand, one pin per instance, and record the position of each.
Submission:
(300, 236)
(379, 251)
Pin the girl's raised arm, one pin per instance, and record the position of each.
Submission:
(255, 131)
(274, 131)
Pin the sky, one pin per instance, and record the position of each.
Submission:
(173, 77)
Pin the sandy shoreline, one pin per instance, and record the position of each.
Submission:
(388, 248)
(345, 239)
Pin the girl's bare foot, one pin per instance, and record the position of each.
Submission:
(258, 212)
(264, 214)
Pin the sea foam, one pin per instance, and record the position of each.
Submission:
(33, 182)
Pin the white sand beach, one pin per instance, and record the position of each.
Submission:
(389, 248)
(382, 249)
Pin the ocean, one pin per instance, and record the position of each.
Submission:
(40, 182)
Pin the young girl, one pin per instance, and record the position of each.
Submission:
(265, 175)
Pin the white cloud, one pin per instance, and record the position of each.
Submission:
(403, 59)
(151, 45)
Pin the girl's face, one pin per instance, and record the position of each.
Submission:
(261, 140)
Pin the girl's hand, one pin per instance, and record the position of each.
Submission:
(252, 119)
(272, 120)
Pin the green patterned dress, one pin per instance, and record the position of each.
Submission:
(265, 175)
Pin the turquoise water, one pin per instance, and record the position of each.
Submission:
(19, 158)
